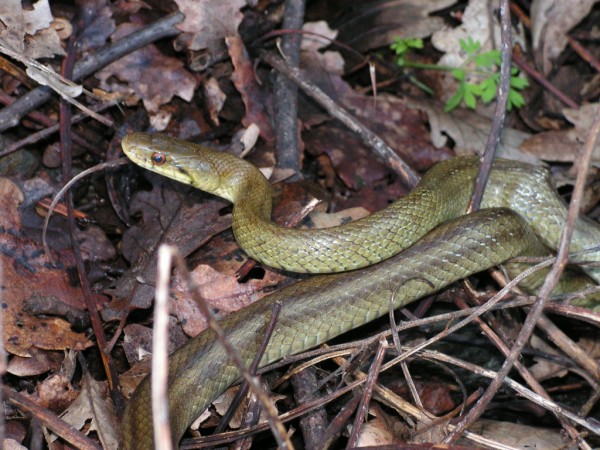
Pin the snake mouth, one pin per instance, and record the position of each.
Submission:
(179, 174)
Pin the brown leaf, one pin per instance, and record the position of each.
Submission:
(550, 23)
(137, 342)
(215, 98)
(210, 20)
(168, 216)
(516, 435)
(92, 405)
(149, 74)
(39, 363)
(55, 392)
(371, 24)
(351, 159)
(403, 129)
(252, 95)
(469, 131)
(221, 291)
(10, 199)
(27, 274)
(28, 32)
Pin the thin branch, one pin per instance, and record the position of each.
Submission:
(499, 113)
(285, 103)
(363, 408)
(159, 380)
(543, 81)
(50, 420)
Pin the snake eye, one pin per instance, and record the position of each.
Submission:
(158, 159)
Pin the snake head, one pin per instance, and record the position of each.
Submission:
(189, 164)
(211, 171)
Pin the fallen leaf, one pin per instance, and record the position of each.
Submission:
(245, 82)
(92, 405)
(565, 145)
(220, 291)
(375, 433)
(10, 199)
(209, 20)
(23, 259)
(55, 392)
(520, 436)
(29, 32)
(137, 341)
(147, 73)
(38, 363)
(551, 20)
(401, 127)
(215, 98)
(371, 24)
(470, 131)
(170, 216)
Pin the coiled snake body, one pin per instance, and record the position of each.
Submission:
(524, 216)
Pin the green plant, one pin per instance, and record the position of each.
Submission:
(486, 66)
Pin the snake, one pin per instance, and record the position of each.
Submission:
(420, 244)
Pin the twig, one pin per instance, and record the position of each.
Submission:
(434, 355)
(525, 373)
(50, 420)
(570, 348)
(230, 436)
(367, 136)
(517, 387)
(478, 313)
(159, 380)
(396, 339)
(43, 134)
(66, 187)
(275, 310)
(542, 80)
(306, 387)
(66, 144)
(547, 287)
(339, 422)
(499, 113)
(584, 54)
(363, 408)
(285, 103)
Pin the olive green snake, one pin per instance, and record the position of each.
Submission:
(523, 215)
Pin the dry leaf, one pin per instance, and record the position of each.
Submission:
(91, 405)
(551, 20)
(246, 84)
(565, 145)
(470, 131)
(371, 24)
(55, 392)
(209, 20)
(147, 73)
(29, 32)
(221, 291)
(375, 433)
(39, 362)
(22, 260)
(520, 436)
(215, 98)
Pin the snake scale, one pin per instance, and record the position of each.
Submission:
(523, 215)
